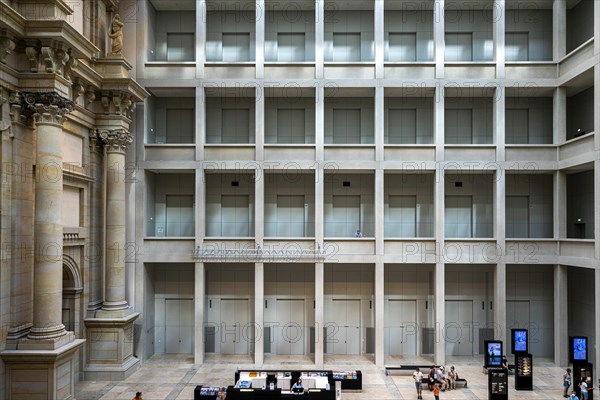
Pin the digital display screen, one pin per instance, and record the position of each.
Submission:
(520, 343)
(494, 353)
(580, 349)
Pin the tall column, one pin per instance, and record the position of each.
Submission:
(559, 29)
(96, 246)
(259, 313)
(439, 37)
(440, 314)
(499, 15)
(49, 111)
(439, 272)
(116, 141)
(112, 326)
(379, 268)
(561, 316)
(48, 349)
(319, 314)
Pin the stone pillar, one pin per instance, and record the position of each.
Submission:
(561, 316)
(109, 355)
(439, 37)
(116, 142)
(48, 111)
(319, 314)
(259, 312)
(49, 353)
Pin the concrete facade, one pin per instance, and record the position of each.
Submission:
(202, 192)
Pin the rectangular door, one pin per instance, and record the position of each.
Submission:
(179, 326)
(290, 332)
(517, 316)
(234, 321)
(353, 327)
(343, 335)
(459, 328)
(401, 322)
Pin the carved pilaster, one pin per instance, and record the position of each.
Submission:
(47, 108)
(6, 47)
(16, 108)
(96, 143)
(116, 140)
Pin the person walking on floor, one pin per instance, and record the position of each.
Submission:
(418, 377)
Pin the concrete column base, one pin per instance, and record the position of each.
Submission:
(42, 374)
(109, 352)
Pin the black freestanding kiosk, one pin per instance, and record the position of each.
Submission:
(523, 360)
(498, 384)
(524, 371)
(582, 369)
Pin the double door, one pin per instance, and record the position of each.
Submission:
(235, 327)
(343, 328)
(179, 326)
(401, 327)
(290, 331)
(459, 328)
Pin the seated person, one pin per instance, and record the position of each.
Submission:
(297, 387)
(504, 362)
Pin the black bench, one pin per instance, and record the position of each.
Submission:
(462, 381)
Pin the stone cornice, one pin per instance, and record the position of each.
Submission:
(61, 31)
(116, 140)
(47, 107)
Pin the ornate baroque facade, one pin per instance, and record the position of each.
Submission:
(66, 126)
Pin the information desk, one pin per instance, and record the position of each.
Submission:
(259, 394)
(311, 379)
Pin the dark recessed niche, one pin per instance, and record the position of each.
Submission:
(346, 184)
(457, 184)
(235, 183)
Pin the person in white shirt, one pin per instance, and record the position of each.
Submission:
(418, 376)
(584, 390)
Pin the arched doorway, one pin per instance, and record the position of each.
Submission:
(72, 289)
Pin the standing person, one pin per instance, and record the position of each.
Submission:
(431, 378)
(453, 376)
(567, 382)
(418, 377)
(584, 389)
(436, 392)
(573, 396)
(138, 396)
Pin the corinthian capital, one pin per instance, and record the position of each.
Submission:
(47, 108)
(116, 140)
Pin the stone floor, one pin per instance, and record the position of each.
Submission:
(174, 377)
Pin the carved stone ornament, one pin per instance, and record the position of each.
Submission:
(49, 107)
(95, 142)
(6, 47)
(116, 140)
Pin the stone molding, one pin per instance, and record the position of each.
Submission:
(47, 108)
(116, 140)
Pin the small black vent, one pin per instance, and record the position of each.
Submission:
(346, 184)
(457, 184)
(235, 183)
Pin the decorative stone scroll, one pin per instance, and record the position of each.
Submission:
(47, 107)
